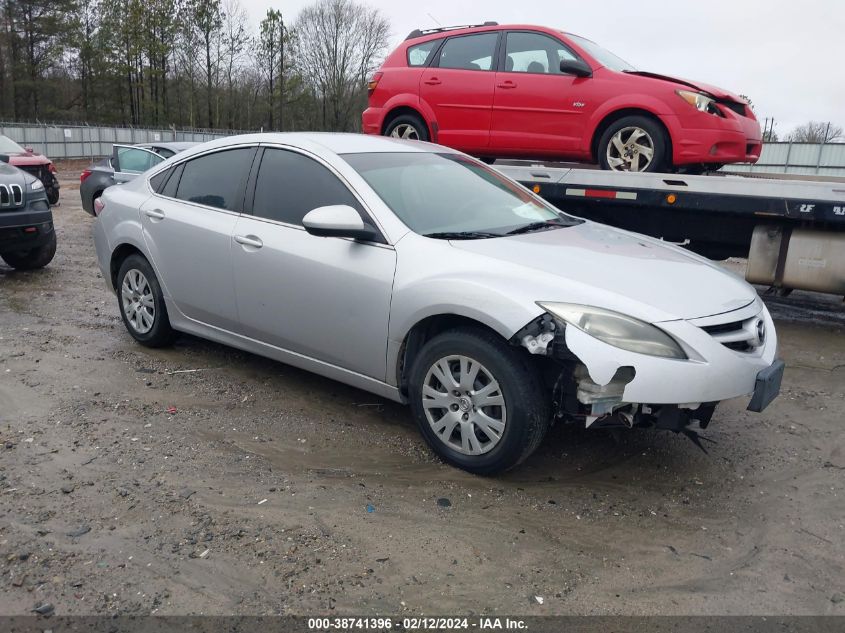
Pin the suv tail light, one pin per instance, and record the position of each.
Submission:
(84, 175)
(373, 83)
(99, 205)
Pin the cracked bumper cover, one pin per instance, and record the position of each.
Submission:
(713, 372)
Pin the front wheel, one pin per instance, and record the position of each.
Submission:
(633, 143)
(141, 303)
(477, 401)
(34, 258)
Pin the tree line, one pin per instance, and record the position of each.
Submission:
(188, 63)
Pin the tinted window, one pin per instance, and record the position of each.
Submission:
(136, 160)
(163, 151)
(158, 181)
(290, 185)
(216, 180)
(470, 52)
(535, 53)
(419, 54)
(169, 189)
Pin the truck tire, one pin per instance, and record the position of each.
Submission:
(34, 258)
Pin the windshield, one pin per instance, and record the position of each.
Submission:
(601, 55)
(8, 146)
(449, 194)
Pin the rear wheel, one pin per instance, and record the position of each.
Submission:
(141, 303)
(477, 402)
(408, 127)
(633, 143)
(34, 258)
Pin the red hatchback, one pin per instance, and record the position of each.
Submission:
(534, 92)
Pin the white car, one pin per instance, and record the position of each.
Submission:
(422, 275)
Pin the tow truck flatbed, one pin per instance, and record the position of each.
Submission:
(716, 216)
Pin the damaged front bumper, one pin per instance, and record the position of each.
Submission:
(729, 355)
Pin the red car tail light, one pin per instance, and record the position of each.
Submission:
(52, 168)
(84, 175)
(99, 205)
(373, 83)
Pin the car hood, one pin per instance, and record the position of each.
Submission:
(618, 270)
(714, 91)
(17, 159)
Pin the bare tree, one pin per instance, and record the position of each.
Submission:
(271, 55)
(816, 132)
(235, 39)
(339, 43)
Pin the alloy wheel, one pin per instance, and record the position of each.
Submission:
(464, 405)
(630, 149)
(405, 131)
(137, 301)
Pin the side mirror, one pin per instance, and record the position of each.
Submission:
(338, 220)
(4, 158)
(575, 67)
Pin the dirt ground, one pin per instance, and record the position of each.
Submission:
(267, 490)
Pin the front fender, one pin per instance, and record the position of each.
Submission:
(636, 101)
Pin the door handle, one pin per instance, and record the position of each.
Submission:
(506, 84)
(155, 214)
(249, 240)
(433, 81)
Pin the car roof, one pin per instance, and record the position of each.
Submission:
(177, 146)
(334, 142)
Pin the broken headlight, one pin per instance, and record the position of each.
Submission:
(617, 329)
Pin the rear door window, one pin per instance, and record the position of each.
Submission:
(469, 52)
(216, 180)
(134, 160)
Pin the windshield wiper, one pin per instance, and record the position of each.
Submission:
(537, 226)
(462, 235)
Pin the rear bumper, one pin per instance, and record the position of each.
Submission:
(704, 138)
(371, 120)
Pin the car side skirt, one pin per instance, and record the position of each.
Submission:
(180, 322)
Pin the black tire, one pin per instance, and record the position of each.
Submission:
(412, 120)
(34, 258)
(160, 334)
(52, 195)
(527, 405)
(656, 133)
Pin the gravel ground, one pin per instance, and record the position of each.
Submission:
(201, 479)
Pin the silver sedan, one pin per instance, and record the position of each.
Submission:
(417, 273)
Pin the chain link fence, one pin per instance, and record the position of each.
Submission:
(84, 141)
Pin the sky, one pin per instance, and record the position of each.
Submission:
(786, 55)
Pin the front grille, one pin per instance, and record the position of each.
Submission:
(11, 196)
(741, 336)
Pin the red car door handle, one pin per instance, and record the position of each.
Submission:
(434, 81)
(506, 84)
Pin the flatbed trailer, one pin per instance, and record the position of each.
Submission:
(791, 231)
